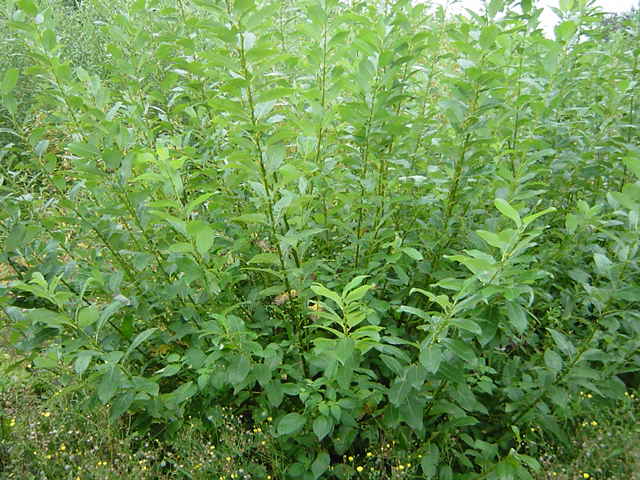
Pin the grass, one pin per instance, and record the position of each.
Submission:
(605, 444)
(50, 429)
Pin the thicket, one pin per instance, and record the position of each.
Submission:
(367, 220)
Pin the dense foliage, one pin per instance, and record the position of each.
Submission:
(366, 220)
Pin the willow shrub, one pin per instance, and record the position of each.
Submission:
(366, 220)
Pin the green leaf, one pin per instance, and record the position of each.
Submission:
(461, 349)
(88, 316)
(603, 264)
(412, 412)
(28, 6)
(83, 359)
(169, 370)
(413, 253)
(566, 30)
(322, 426)
(430, 460)
(83, 150)
(252, 218)
(200, 199)
(566, 5)
(202, 234)
(454, 110)
(48, 317)
(633, 164)
(508, 211)
(357, 294)
(120, 405)
(325, 292)
(517, 317)
(141, 337)
(109, 384)
(468, 325)
(415, 311)
(239, 369)
(562, 342)
(269, 258)
(320, 464)
(290, 424)
(354, 283)
(399, 391)
(488, 36)
(494, 239)
(275, 393)
(431, 357)
(530, 218)
(9, 81)
(553, 361)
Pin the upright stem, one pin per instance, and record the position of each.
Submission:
(365, 168)
(516, 121)
(255, 137)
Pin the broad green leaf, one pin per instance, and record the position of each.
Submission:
(267, 258)
(354, 283)
(415, 311)
(275, 393)
(28, 6)
(633, 163)
(202, 234)
(141, 337)
(493, 239)
(430, 358)
(412, 413)
(252, 218)
(530, 218)
(239, 369)
(120, 405)
(146, 385)
(88, 316)
(320, 464)
(9, 81)
(565, 30)
(169, 371)
(322, 426)
(84, 150)
(488, 35)
(430, 460)
(508, 211)
(325, 292)
(357, 294)
(517, 317)
(83, 359)
(461, 349)
(563, 343)
(413, 253)
(290, 424)
(566, 5)
(399, 391)
(199, 200)
(454, 110)
(553, 361)
(468, 325)
(603, 264)
(48, 317)
(109, 384)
